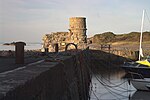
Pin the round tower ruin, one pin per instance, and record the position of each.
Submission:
(77, 28)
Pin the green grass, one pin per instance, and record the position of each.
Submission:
(130, 38)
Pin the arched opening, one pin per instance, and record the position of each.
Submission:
(70, 45)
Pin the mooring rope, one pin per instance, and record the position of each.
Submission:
(106, 85)
(109, 90)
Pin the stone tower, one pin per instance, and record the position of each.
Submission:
(77, 28)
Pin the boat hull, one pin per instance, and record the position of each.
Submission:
(141, 84)
(138, 71)
(140, 95)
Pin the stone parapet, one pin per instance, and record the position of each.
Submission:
(64, 77)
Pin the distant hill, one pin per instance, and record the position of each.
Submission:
(110, 37)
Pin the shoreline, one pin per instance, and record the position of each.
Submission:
(11, 53)
(27, 47)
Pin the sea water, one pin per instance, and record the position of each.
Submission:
(111, 85)
(29, 46)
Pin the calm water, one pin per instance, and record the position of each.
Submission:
(107, 85)
(29, 46)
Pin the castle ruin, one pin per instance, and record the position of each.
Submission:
(76, 35)
(78, 29)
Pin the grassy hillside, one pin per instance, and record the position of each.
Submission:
(109, 37)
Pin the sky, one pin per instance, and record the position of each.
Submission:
(29, 20)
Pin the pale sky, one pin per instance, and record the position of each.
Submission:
(29, 20)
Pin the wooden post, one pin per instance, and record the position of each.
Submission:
(19, 52)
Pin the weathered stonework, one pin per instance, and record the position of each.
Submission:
(60, 38)
(78, 29)
(76, 35)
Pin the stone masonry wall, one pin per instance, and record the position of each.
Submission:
(77, 27)
(66, 78)
(62, 38)
(76, 35)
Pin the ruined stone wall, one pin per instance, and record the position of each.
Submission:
(76, 35)
(62, 38)
(58, 37)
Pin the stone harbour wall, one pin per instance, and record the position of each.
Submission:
(64, 78)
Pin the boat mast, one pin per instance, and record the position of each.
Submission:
(140, 48)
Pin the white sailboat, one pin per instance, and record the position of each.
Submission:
(143, 62)
(141, 66)
(143, 83)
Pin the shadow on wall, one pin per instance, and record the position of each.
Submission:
(107, 58)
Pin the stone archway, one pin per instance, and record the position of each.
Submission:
(66, 48)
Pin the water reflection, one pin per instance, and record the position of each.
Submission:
(109, 85)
